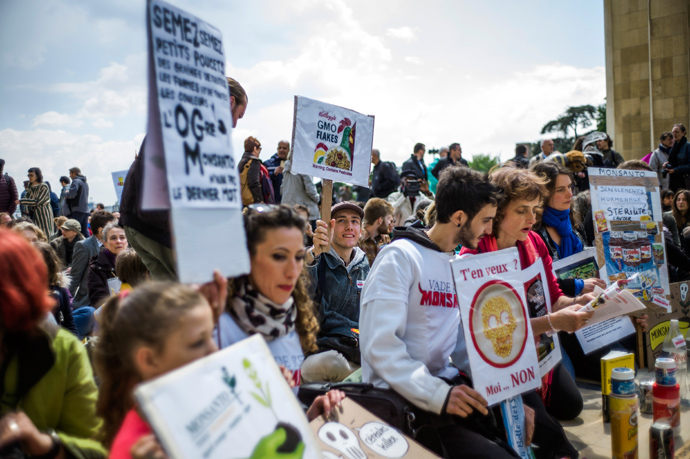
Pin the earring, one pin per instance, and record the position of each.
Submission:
(458, 225)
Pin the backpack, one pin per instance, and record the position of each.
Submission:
(55, 204)
(394, 174)
(266, 185)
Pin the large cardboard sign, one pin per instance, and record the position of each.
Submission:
(354, 433)
(626, 209)
(331, 142)
(189, 164)
(659, 321)
(496, 325)
(234, 403)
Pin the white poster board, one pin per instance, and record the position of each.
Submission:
(230, 404)
(194, 106)
(496, 325)
(331, 142)
(189, 164)
(119, 183)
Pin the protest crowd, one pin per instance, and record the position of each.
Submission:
(337, 300)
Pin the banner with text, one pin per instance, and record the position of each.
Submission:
(189, 110)
(496, 324)
(331, 142)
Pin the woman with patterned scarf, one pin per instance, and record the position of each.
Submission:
(273, 300)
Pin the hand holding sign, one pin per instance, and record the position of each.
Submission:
(322, 237)
(571, 319)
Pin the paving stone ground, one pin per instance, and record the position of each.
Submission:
(592, 437)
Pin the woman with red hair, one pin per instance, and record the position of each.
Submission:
(48, 399)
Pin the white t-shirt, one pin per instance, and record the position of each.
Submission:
(286, 350)
(409, 323)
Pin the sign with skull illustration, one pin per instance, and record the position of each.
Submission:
(659, 321)
(496, 324)
(352, 432)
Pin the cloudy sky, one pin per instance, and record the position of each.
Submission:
(485, 74)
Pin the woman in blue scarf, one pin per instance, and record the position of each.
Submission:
(562, 241)
(556, 228)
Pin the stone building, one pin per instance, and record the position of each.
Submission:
(647, 71)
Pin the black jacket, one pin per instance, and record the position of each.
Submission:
(154, 224)
(383, 181)
(445, 162)
(100, 270)
(413, 165)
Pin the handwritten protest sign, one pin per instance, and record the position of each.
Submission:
(624, 202)
(194, 108)
(119, 183)
(496, 325)
(240, 407)
(626, 209)
(189, 164)
(331, 142)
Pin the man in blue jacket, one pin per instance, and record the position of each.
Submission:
(338, 269)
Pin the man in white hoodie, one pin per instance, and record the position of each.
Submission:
(409, 317)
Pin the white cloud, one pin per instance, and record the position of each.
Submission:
(55, 151)
(405, 33)
(414, 60)
(55, 119)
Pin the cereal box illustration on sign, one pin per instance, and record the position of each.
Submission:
(331, 142)
(339, 156)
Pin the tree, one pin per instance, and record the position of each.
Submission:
(571, 119)
(601, 117)
(483, 162)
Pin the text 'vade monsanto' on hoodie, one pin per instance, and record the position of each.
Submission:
(410, 320)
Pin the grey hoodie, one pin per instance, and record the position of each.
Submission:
(78, 195)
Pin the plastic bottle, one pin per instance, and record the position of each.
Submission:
(666, 394)
(674, 347)
(624, 406)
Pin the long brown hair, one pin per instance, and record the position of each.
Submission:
(256, 224)
(144, 317)
(681, 219)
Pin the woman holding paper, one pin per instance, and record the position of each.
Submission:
(516, 214)
(555, 227)
(48, 393)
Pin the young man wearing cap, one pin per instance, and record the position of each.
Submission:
(338, 269)
(64, 245)
(412, 193)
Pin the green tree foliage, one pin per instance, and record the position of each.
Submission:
(571, 120)
(601, 117)
(483, 162)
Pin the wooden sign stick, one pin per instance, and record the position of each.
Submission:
(326, 200)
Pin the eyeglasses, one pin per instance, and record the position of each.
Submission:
(30, 175)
